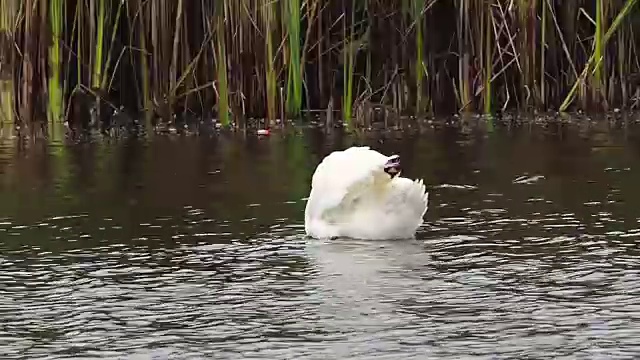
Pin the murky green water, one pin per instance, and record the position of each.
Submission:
(193, 248)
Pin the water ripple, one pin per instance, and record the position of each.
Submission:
(527, 262)
(449, 295)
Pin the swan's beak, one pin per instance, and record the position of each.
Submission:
(392, 167)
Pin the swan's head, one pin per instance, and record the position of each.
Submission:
(392, 167)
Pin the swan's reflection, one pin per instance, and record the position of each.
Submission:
(367, 259)
(360, 282)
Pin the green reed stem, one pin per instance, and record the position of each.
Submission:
(488, 63)
(223, 87)
(270, 73)
(349, 55)
(55, 103)
(97, 64)
(294, 82)
(597, 76)
(418, 6)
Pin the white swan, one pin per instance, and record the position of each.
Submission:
(358, 193)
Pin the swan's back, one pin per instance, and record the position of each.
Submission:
(340, 169)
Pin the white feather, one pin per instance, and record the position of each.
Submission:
(351, 196)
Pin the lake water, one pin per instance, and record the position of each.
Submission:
(193, 248)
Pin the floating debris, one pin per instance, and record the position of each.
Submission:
(528, 179)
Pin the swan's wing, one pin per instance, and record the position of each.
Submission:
(407, 199)
(394, 212)
(344, 172)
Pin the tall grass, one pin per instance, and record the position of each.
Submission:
(258, 58)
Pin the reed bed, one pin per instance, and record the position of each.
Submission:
(79, 61)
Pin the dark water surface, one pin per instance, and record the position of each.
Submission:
(194, 248)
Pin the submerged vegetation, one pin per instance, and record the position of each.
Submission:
(114, 63)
